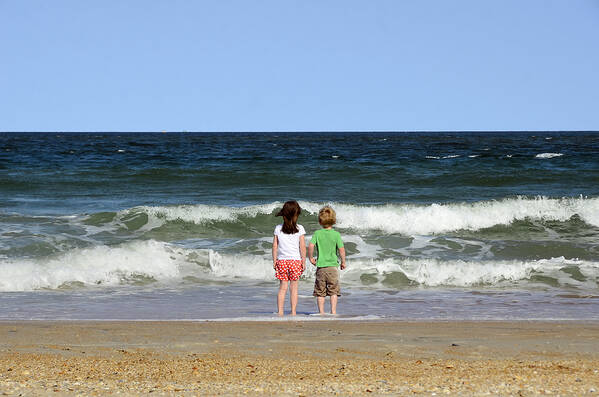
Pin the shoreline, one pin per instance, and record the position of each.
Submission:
(299, 357)
(304, 320)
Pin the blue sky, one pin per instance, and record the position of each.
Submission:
(227, 65)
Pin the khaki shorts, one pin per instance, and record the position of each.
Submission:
(327, 281)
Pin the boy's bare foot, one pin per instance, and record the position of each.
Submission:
(280, 314)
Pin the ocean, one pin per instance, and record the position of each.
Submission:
(178, 225)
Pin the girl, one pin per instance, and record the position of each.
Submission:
(289, 254)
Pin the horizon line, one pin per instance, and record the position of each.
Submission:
(291, 131)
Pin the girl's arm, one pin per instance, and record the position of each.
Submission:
(302, 243)
(275, 248)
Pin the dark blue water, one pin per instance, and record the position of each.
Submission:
(71, 172)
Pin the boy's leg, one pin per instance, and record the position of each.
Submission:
(333, 304)
(281, 297)
(320, 302)
(320, 288)
(293, 295)
(333, 288)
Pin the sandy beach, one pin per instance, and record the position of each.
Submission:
(299, 358)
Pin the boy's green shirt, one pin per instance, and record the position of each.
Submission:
(327, 241)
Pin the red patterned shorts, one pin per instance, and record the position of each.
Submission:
(288, 269)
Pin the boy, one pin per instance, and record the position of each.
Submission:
(328, 241)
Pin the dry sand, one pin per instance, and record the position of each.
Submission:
(299, 358)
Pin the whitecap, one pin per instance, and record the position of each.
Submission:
(548, 155)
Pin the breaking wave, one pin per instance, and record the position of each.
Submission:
(97, 266)
(149, 262)
(407, 219)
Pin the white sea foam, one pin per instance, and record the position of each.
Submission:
(449, 156)
(130, 263)
(298, 318)
(167, 264)
(442, 218)
(199, 214)
(429, 272)
(407, 219)
(548, 155)
(241, 266)
(100, 265)
(460, 273)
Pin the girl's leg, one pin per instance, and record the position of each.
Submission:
(281, 297)
(333, 304)
(293, 295)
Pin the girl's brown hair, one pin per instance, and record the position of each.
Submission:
(290, 212)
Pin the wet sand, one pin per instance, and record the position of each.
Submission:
(299, 358)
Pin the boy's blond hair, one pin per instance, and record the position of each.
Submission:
(327, 216)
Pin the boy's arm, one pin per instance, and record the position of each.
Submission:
(342, 255)
(303, 251)
(275, 247)
(341, 249)
(311, 254)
